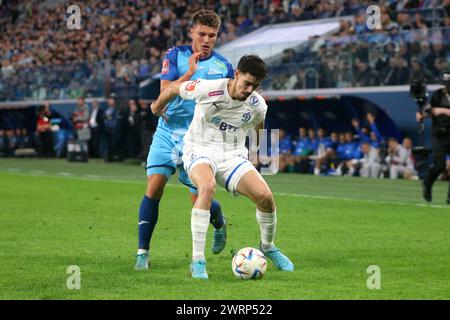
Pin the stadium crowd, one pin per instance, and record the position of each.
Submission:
(411, 43)
(41, 59)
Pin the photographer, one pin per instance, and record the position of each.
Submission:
(439, 110)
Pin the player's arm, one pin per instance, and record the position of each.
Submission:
(160, 105)
(193, 62)
(258, 127)
(440, 111)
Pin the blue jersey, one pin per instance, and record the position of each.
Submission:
(285, 144)
(176, 64)
(302, 147)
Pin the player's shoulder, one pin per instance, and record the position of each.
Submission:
(173, 51)
(257, 101)
(221, 58)
(213, 87)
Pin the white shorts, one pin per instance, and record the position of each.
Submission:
(228, 170)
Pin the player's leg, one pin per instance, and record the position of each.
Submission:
(436, 168)
(159, 168)
(218, 221)
(202, 175)
(217, 218)
(148, 217)
(250, 183)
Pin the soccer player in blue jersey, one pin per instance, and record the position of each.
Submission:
(180, 64)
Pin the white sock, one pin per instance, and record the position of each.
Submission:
(141, 251)
(199, 228)
(268, 225)
(316, 171)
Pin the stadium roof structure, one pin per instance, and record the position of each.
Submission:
(271, 40)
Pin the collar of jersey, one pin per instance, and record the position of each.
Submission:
(202, 59)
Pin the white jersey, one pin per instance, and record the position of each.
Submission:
(220, 122)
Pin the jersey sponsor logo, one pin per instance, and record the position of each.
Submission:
(220, 64)
(215, 93)
(165, 66)
(226, 126)
(212, 72)
(246, 116)
(254, 101)
(191, 85)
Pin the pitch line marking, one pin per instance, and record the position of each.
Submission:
(294, 195)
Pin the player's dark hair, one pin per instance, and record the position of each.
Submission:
(207, 18)
(253, 65)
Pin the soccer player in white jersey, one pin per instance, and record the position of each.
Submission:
(214, 150)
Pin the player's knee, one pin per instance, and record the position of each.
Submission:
(155, 186)
(266, 201)
(207, 189)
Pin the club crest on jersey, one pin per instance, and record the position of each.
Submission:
(254, 101)
(191, 85)
(165, 66)
(216, 93)
(246, 116)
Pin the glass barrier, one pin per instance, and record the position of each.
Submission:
(371, 59)
(67, 81)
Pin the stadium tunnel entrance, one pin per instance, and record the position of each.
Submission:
(331, 113)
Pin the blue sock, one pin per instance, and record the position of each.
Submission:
(216, 218)
(148, 217)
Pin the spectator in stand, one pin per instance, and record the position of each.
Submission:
(344, 75)
(97, 126)
(111, 131)
(418, 71)
(372, 136)
(397, 159)
(80, 120)
(370, 163)
(324, 144)
(328, 73)
(44, 131)
(302, 150)
(148, 128)
(410, 172)
(365, 76)
(285, 151)
(441, 65)
(133, 129)
(347, 151)
(3, 145)
(438, 51)
(398, 73)
(326, 163)
(11, 142)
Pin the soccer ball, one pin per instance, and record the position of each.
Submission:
(249, 263)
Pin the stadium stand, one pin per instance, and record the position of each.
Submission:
(120, 45)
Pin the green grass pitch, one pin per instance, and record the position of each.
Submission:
(55, 214)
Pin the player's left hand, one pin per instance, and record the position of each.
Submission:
(193, 61)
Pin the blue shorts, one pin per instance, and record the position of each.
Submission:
(164, 157)
(448, 157)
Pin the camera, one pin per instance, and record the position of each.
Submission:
(445, 79)
(418, 90)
